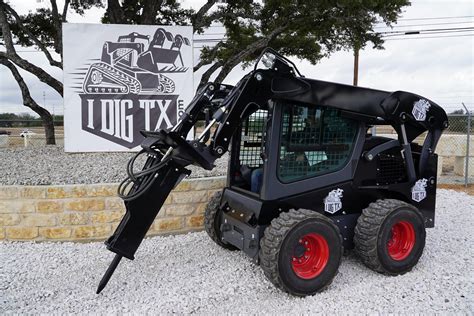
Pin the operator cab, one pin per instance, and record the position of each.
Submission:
(310, 141)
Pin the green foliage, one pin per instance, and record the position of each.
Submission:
(306, 29)
(312, 29)
(26, 120)
(169, 13)
(40, 23)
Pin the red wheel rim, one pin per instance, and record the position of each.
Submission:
(402, 240)
(310, 256)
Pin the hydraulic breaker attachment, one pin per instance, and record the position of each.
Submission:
(150, 188)
(144, 192)
(140, 214)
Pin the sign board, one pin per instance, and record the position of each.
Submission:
(120, 79)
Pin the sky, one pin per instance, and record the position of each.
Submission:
(441, 69)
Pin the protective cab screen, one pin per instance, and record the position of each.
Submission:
(315, 140)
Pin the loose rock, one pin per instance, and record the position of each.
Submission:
(51, 165)
(190, 274)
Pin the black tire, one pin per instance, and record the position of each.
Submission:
(280, 245)
(390, 236)
(211, 221)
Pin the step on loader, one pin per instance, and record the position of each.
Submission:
(306, 177)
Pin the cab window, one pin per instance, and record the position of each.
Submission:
(314, 141)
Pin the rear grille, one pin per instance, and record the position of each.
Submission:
(390, 168)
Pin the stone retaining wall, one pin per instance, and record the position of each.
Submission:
(92, 212)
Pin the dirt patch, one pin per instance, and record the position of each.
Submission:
(458, 187)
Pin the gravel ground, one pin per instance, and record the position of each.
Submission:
(190, 274)
(51, 165)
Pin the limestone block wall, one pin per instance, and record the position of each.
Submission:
(92, 212)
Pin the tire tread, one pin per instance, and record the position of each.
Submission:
(272, 240)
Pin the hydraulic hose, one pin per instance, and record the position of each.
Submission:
(141, 180)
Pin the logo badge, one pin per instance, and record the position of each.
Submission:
(418, 191)
(333, 203)
(420, 108)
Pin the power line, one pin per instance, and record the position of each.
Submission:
(436, 18)
(426, 24)
(428, 30)
(424, 37)
(427, 33)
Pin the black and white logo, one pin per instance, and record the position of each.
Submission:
(420, 108)
(418, 191)
(132, 86)
(333, 203)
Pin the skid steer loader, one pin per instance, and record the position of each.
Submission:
(306, 178)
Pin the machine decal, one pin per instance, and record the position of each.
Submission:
(418, 191)
(420, 108)
(333, 203)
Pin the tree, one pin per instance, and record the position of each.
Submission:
(42, 29)
(306, 29)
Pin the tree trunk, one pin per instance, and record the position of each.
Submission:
(114, 12)
(48, 124)
(150, 11)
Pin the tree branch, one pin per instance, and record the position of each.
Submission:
(6, 33)
(35, 40)
(28, 101)
(197, 19)
(114, 12)
(42, 75)
(249, 50)
(150, 8)
(207, 61)
(11, 55)
(58, 41)
(65, 8)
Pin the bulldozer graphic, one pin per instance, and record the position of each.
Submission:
(136, 65)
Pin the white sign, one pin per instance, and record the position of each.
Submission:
(120, 79)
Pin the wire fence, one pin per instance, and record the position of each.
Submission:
(455, 149)
(27, 133)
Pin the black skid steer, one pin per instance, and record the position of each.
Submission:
(306, 177)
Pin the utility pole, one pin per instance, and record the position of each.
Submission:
(356, 65)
